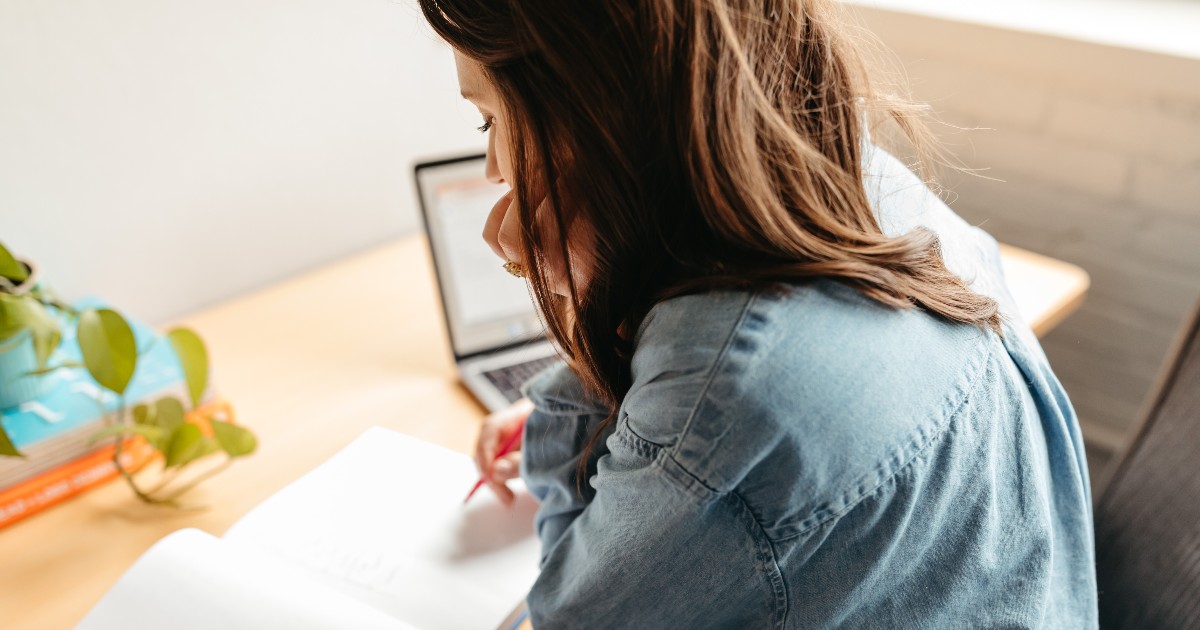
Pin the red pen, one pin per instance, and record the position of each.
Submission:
(505, 449)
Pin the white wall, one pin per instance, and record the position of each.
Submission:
(1099, 150)
(167, 154)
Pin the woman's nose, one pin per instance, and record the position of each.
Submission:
(493, 173)
(492, 170)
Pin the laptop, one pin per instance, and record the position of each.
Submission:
(497, 338)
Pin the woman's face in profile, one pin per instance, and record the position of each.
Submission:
(501, 231)
(476, 88)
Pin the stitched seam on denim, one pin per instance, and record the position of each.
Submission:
(764, 548)
(639, 445)
(916, 454)
(624, 421)
(658, 455)
(683, 479)
(712, 375)
(553, 405)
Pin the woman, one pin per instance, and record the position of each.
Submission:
(798, 393)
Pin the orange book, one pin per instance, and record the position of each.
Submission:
(55, 486)
(59, 484)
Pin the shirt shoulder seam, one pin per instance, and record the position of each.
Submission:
(775, 578)
(708, 381)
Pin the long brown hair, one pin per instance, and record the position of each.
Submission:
(706, 144)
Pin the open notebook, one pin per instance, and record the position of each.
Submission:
(377, 537)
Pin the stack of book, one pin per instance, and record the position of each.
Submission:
(54, 431)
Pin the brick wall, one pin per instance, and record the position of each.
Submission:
(1098, 148)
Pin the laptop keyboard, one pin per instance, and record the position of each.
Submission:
(510, 379)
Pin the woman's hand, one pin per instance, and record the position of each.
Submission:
(497, 428)
(502, 232)
(501, 229)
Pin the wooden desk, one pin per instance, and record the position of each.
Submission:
(309, 370)
(1046, 289)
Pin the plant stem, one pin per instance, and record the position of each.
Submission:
(125, 474)
(167, 478)
(118, 445)
(48, 298)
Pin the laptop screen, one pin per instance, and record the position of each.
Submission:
(486, 308)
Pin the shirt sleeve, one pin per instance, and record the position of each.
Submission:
(648, 545)
(564, 417)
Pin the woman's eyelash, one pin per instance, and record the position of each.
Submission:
(487, 124)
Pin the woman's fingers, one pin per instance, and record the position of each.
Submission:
(501, 231)
(496, 430)
(507, 467)
(491, 227)
(484, 444)
(509, 235)
(501, 426)
(502, 492)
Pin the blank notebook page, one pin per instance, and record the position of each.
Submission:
(383, 524)
(383, 520)
(191, 580)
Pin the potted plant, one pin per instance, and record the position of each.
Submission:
(180, 431)
(28, 335)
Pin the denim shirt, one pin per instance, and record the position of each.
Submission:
(809, 458)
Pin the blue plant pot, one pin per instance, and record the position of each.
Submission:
(17, 359)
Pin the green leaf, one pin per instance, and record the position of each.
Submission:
(209, 446)
(185, 445)
(10, 267)
(168, 413)
(7, 448)
(164, 415)
(153, 435)
(234, 440)
(108, 347)
(143, 414)
(44, 342)
(21, 313)
(193, 357)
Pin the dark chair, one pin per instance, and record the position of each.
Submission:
(1148, 516)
